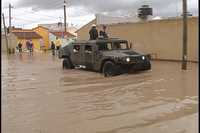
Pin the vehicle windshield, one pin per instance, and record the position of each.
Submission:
(103, 46)
(119, 46)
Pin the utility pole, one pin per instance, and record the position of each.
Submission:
(60, 25)
(65, 24)
(5, 32)
(184, 56)
(9, 15)
(10, 24)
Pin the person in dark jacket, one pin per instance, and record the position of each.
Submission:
(93, 33)
(20, 47)
(27, 44)
(53, 46)
(31, 45)
(103, 33)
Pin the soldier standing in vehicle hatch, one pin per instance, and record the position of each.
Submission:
(103, 33)
(93, 33)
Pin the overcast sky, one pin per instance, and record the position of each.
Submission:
(29, 13)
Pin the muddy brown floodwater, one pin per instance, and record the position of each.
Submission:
(38, 96)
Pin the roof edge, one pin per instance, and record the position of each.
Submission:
(149, 21)
(86, 24)
(53, 32)
(38, 36)
(39, 27)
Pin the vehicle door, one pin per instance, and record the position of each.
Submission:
(100, 48)
(76, 54)
(88, 56)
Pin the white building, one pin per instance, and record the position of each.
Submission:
(59, 27)
(108, 19)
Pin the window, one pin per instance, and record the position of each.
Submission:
(76, 48)
(104, 46)
(120, 45)
(88, 49)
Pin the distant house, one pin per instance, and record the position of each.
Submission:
(22, 36)
(63, 36)
(49, 33)
(59, 27)
(44, 33)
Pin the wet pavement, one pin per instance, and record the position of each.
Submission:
(38, 96)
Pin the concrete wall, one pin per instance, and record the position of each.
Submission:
(83, 32)
(161, 38)
(12, 42)
(3, 43)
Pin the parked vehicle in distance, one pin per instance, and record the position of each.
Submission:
(109, 56)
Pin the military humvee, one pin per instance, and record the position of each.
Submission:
(108, 56)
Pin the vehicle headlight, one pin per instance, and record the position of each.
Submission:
(128, 59)
(143, 57)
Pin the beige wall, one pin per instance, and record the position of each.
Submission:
(3, 43)
(160, 37)
(12, 42)
(83, 32)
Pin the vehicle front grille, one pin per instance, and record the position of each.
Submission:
(136, 59)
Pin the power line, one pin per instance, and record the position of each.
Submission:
(29, 22)
(55, 5)
(48, 17)
(35, 13)
(25, 19)
(16, 18)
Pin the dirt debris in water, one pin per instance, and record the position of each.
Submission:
(38, 96)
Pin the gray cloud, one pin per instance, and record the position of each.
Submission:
(161, 7)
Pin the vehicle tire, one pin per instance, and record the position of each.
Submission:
(109, 69)
(67, 64)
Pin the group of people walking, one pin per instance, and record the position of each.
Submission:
(55, 46)
(29, 46)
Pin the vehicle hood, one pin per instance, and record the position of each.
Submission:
(120, 53)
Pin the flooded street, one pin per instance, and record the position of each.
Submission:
(38, 96)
